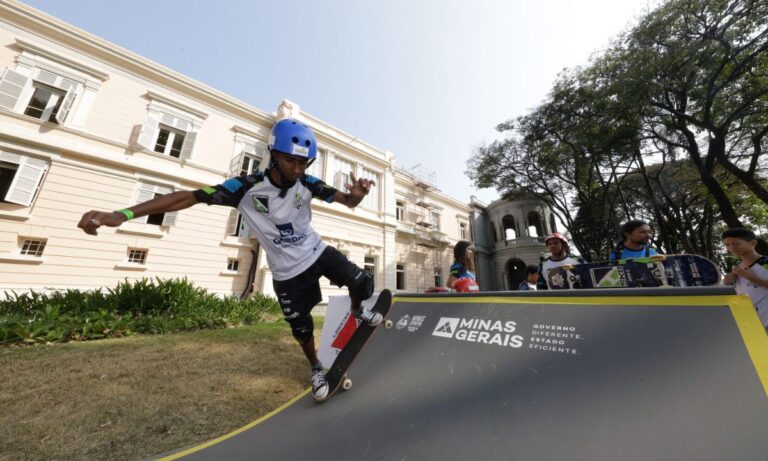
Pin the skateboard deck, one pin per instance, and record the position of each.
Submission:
(653, 271)
(337, 373)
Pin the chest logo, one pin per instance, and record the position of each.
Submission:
(297, 200)
(261, 203)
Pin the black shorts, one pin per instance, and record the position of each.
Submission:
(299, 295)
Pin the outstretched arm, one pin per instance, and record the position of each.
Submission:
(357, 191)
(174, 201)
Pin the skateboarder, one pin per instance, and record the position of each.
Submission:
(463, 263)
(275, 204)
(635, 241)
(750, 273)
(559, 252)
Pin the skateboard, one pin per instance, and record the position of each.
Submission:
(337, 373)
(652, 271)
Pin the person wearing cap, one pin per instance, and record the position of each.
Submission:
(275, 204)
(559, 252)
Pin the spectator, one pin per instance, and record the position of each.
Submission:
(750, 274)
(531, 278)
(635, 241)
(559, 256)
(463, 263)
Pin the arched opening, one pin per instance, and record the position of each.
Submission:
(515, 269)
(535, 228)
(510, 231)
(493, 232)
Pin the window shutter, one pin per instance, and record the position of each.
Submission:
(189, 145)
(236, 165)
(148, 134)
(146, 192)
(232, 222)
(169, 219)
(26, 181)
(69, 98)
(10, 88)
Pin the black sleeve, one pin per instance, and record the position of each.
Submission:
(228, 193)
(318, 188)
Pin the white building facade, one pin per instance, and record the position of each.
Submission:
(85, 125)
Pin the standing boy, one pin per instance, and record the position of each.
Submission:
(559, 252)
(750, 273)
(276, 206)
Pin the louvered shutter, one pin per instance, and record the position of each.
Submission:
(148, 134)
(26, 181)
(145, 193)
(189, 145)
(11, 86)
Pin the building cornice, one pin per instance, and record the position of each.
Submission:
(58, 58)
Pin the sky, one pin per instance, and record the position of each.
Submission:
(428, 80)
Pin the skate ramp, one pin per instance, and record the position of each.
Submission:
(590, 375)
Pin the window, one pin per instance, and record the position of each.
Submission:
(148, 192)
(435, 221)
(233, 264)
(236, 225)
(250, 164)
(137, 255)
(249, 154)
(438, 277)
(370, 266)
(316, 169)
(400, 277)
(50, 96)
(20, 177)
(169, 141)
(33, 247)
(341, 173)
(463, 231)
(45, 103)
(400, 210)
(168, 134)
(371, 200)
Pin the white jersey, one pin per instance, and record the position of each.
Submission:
(548, 265)
(282, 225)
(758, 294)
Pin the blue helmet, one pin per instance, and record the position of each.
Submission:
(292, 137)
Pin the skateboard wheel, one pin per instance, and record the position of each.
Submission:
(346, 384)
(387, 324)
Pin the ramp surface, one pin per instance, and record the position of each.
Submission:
(604, 375)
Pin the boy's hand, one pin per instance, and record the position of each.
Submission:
(359, 188)
(93, 219)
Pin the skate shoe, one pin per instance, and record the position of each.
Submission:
(319, 384)
(372, 318)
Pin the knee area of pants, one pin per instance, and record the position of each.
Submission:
(361, 286)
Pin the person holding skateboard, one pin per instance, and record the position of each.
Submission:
(463, 268)
(275, 204)
(750, 274)
(635, 241)
(559, 255)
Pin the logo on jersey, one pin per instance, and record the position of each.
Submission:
(287, 235)
(261, 203)
(297, 201)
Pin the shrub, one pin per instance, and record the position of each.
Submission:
(144, 306)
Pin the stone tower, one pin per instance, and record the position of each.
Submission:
(508, 235)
